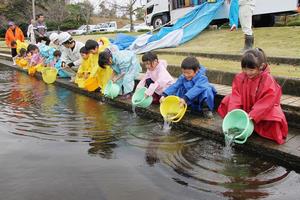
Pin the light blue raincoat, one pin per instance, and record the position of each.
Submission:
(126, 61)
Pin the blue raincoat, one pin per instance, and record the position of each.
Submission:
(126, 62)
(61, 72)
(195, 91)
(234, 13)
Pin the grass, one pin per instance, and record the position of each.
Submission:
(276, 41)
(233, 66)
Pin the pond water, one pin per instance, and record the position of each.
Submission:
(55, 144)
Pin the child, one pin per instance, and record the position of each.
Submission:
(85, 68)
(102, 73)
(255, 91)
(125, 68)
(193, 88)
(157, 78)
(34, 52)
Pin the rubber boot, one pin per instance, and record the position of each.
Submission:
(249, 40)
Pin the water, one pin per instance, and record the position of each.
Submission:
(55, 144)
(229, 141)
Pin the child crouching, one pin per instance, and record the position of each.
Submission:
(193, 88)
(255, 91)
(125, 67)
(157, 78)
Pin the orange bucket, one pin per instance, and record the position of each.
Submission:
(91, 84)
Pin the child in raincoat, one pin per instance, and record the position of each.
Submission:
(34, 53)
(84, 70)
(255, 91)
(193, 88)
(21, 59)
(157, 78)
(125, 67)
(56, 62)
(102, 73)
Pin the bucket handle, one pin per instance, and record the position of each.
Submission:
(179, 114)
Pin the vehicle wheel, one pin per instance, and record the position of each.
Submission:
(158, 21)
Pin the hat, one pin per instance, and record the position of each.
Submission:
(11, 23)
(53, 37)
(63, 37)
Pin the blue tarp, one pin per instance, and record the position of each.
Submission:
(191, 25)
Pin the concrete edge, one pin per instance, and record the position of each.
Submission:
(210, 129)
(234, 57)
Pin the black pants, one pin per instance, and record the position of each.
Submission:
(14, 52)
(40, 39)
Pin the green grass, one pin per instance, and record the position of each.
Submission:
(275, 41)
(233, 66)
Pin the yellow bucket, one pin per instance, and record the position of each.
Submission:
(171, 110)
(31, 70)
(91, 84)
(39, 67)
(49, 75)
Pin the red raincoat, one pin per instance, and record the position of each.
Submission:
(260, 98)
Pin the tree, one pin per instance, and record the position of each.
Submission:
(57, 12)
(129, 9)
(86, 10)
(106, 12)
(140, 13)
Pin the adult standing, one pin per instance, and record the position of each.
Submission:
(13, 34)
(40, 30)
(30, 32)
(245, 9)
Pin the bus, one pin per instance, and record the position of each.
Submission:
(161, 12)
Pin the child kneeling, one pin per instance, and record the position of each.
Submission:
(255, 91)
(193, 88)
(157, 78)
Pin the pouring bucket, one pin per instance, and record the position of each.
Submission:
(171, 110)
(238, 119)
(139, 99)
(111, 90)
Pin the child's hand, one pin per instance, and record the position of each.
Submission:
(161, 99)
(182, 102)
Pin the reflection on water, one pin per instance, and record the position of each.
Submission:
(108, 153)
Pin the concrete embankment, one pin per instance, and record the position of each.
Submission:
(287, 154)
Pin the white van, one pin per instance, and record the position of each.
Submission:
(82, 30)
(106, 27)
(160, 12)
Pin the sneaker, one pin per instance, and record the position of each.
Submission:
(208, 114)
(233, 27)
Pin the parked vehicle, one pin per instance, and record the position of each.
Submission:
(136, 27)
(160, 12)
(106, 27)
(83, 30)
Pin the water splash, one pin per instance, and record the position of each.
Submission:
(167, 127)
(133, 111)
(227, 150)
